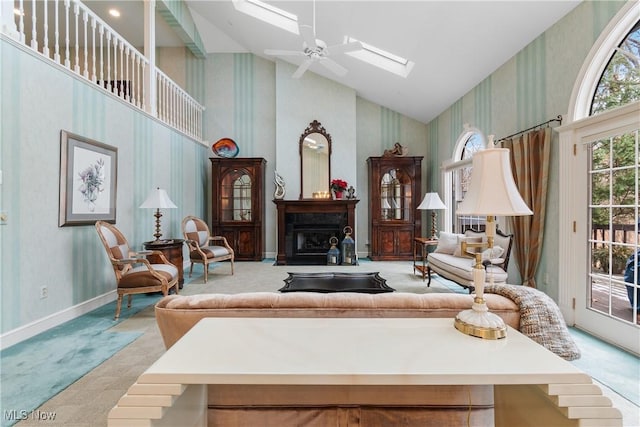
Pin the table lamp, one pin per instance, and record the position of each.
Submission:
(158, 199)
(432, 202)
(492, 192)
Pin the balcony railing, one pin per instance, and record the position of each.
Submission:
(68, 33)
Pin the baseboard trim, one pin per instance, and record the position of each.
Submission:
(29, 330)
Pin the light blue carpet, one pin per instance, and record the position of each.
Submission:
(34, 370)
(613, 367)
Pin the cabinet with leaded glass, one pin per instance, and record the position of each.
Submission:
(394, 194)
(238, 204)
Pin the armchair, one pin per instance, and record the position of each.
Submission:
(134, 273)
(202, 247)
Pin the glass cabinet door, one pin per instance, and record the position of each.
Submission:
(236, 195)
(395, 196)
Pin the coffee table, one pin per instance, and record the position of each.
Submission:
(370, 283)
(532, 386)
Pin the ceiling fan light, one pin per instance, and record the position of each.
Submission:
(268, 13)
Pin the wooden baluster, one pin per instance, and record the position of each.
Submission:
(85, 20)
(144, 94)
(45, 32)
(93, 53)
(127, 89)
(123, 82)
(108, 61)
(76, 13)
(67, 62)
(101, 32)
(56, 55)
(114, 81)
(21, 22)
(34, 33)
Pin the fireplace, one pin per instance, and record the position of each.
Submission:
(305, 227)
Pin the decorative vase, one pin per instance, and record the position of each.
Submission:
(338, 194)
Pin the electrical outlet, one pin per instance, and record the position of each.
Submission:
(44, 292)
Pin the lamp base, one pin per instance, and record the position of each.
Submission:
(480, 322)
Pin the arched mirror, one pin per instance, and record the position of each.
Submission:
(315, 161)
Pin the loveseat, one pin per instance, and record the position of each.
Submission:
(335, 405)
(448, 261)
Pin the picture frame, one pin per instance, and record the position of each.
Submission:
(88, 178)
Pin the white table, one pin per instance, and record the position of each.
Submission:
(527, 378)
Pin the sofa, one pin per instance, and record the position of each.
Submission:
(316, 405)
(448, 260)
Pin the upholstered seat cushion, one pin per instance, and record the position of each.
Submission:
(141, 276)
(210, 252)
(462, 268)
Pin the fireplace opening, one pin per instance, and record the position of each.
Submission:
(308, 236)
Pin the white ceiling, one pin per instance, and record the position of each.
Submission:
(455, 44)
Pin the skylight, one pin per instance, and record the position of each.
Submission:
(268, 13)
(381, 58)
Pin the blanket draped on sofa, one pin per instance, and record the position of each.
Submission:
(540, 319)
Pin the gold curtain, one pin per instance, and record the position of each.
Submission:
(530, 166)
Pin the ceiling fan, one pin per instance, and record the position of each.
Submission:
(316, 50)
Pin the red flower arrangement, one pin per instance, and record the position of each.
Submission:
(338, 185)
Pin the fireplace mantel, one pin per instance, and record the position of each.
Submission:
(316, 207)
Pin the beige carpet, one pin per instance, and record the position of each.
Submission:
(86, 403)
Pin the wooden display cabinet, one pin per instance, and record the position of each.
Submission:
(394, 193)
(238, 205)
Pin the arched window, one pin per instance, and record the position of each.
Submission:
(619, 84)
(458, 176)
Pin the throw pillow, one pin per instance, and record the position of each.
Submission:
(446, 243)
(492, 253)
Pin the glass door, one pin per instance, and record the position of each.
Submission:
(608, 302)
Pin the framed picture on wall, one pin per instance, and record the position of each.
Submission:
(88, 172)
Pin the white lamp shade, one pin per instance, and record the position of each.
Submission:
(492, 190)
(431, 201)
(158, 199)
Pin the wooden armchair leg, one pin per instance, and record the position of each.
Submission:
(118, 307)
(429, 274)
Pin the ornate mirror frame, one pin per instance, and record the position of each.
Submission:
(313, 128)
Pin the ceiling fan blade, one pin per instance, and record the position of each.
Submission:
(308, 35)
(333, 66)
(301, 69)
(276, 52)
(343, 48)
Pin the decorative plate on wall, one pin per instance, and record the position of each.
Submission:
(225, 147)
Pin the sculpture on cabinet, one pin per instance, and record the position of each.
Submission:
(315, 160)
(280, 186)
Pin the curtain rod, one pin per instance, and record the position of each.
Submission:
(557, 119)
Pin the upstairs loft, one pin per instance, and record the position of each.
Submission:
(72, 36)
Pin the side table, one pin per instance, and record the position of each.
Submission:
(420, 245)
(172, 250)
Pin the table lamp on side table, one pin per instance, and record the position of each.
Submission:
(432, 202)
(492, 192)
(158, 199)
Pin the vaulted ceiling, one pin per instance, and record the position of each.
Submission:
(455, 44)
